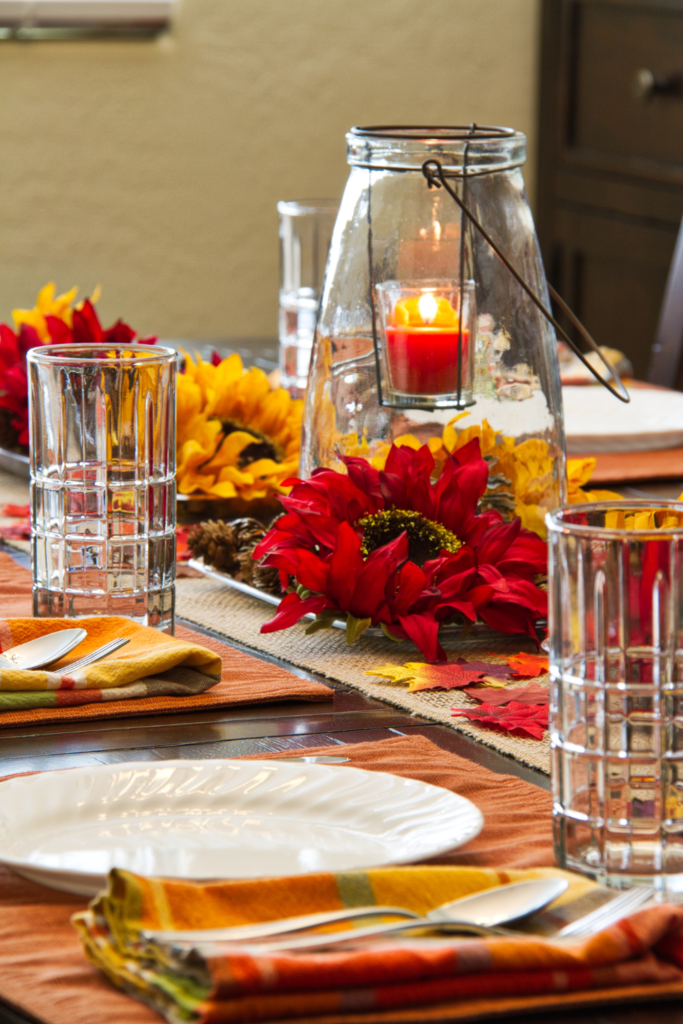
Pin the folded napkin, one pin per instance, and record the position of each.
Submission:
(151, 664)
(221, 982)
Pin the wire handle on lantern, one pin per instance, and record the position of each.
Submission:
(434, 173)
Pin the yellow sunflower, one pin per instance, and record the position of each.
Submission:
(236, 436)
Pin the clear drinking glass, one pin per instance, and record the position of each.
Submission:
(305, 231)
(616, 703)
(103, 481)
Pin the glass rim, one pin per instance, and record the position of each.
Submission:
(307, 207)
(426, 285)
(73, 354)
(555, 524)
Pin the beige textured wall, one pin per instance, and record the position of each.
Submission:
(154, 167)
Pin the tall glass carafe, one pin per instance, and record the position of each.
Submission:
(393, 227)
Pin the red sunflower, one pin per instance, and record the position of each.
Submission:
(394, 549)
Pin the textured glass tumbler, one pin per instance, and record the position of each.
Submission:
(616, 704)
(103, 481)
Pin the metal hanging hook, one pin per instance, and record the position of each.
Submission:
(436, 178)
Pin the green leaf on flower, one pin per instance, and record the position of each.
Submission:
(355, 627)
(389, 635)
(322, 622)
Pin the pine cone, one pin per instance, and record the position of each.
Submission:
(214, 542)
(267, 578)
(247, 533)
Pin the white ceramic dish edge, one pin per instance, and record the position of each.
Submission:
(383, 819)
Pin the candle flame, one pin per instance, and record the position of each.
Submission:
(428, 308)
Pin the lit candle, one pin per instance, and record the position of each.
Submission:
(422, 338)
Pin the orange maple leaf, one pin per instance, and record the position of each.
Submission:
(526, 666)
(442, 677)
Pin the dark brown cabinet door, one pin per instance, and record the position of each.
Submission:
(611, 161)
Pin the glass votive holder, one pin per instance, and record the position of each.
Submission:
(616, 702)
(426, 343)
(103, 510)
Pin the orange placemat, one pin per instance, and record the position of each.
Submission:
(245, 679)
(44, 973)
(628, 467)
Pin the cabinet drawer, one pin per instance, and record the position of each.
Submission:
(612, 42)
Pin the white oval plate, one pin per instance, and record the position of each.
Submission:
(595, 422)
(221, 819)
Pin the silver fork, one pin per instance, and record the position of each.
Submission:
(609, 913)
(97, 655)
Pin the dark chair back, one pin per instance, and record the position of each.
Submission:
(666, 361)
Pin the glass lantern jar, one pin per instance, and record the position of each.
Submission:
(394, 229)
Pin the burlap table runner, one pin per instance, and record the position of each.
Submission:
(245, 680)
(44, 973)
(240, 617)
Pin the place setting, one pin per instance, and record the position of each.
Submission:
(376, 699)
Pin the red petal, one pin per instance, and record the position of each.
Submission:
(119, 334)
(497, 540)
(86, 328)
(312, 572)
(423, 630)
(27, 339)
(60, 333)
(345, 567)
(291, 608)
(411, 583)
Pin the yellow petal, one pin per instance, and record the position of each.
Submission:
(232, 447)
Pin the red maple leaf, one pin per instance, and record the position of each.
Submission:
(524, 719)
(442, 677)
(531, 694)
(489, 668)
(16, 511)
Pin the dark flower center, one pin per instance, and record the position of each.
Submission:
(263, 448)
(426, 539)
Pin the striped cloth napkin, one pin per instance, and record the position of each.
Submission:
(221, 982)
(151, 664)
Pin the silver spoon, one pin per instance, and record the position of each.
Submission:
(483, 910)
(43, 650)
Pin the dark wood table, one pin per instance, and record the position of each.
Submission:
(351, 718)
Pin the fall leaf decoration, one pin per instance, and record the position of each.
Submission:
(527, 666)
(490, 668)
(525, 719)
(428, 677)
(531, 694)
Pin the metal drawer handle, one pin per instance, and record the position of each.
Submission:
(645, 84)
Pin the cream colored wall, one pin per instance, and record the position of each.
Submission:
(154, 167)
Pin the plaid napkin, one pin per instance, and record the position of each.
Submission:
(151, 664)
(217, 982)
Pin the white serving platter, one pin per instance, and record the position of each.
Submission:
(595, 422)
(214, 819)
